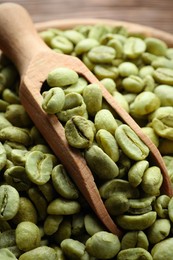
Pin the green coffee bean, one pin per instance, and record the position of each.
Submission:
(105, 120)
(152, 180)
(159, 230)
(63, 184)
(113, 36)
(64, 231)
(92, 225)
(3, 105)
(163, 76)
(117, 45)
(16, 115)
(83, 29)
(26, 212)
(117, 186)
(162, 62)
(6, 254)
(92, 96)
(146, 71)
(3, 121)
(47, 36)
(4, 225)
(134, 239)
(161, 206)
(9, 75)
(162, 122)
(15, 250)
(9, 202)
(162, 125)
(10, 148)
(39, 202)
(38, 167)
(101, 54)
(117, 204)
(170, 209)
(134, 47)
(124, 164)
(7, 238)
(36, 136)
(79, 132)
(156, 46)
(47, 190)
(138, 222)
(127, 69)
(151, 134)
(148, 58)
(51, 224)
(168, 163)
(169, 53)
(27, 236)
(15, 134)
(103, 245)
(73, 106)
(77, 87)
(141, 206)
(88, 62)
(85, 45)
(73, 248)
(62, 43)
(9, 164)
(106, 106)
(136, 172)
(105, 71)
(41, 253)
(149, 83)
(61, 77)
(53, 100)
(163, 250)
(16, 177)
(121, 100)
(145, 103)
(73, 36)
(62, 206)
(59, 253)
(18, 157)
(100, 163)
(78, 224)
(133, 84)
(3, 156)
(11, 97)
(42, 148)
(98, 31)
(109, 84)
(165, 94)
(134, 254)
(130, 143)
(108, 144)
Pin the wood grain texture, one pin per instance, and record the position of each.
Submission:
(154, 13)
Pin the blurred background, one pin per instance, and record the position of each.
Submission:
(154, 13)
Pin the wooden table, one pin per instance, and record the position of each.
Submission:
(154, 13)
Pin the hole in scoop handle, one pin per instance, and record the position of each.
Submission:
(19, 39)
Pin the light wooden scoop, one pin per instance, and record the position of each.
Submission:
(21, 43)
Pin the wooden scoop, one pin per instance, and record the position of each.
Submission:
(21, 43)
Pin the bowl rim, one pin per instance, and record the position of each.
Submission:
(131, 27)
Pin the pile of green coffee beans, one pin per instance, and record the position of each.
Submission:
(42, 213)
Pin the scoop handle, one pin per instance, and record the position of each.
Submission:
(19, 39)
